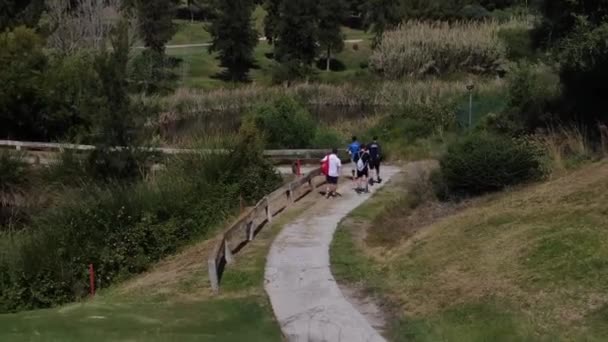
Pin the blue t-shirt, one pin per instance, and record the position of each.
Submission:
(354, 149)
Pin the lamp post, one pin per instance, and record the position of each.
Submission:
(470, 87)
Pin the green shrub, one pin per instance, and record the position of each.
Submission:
(123, 228)
(481, 163)
(518, 41)
(13, 172)
(285, 123)
(326, 138)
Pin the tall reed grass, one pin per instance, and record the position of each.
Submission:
(420, 48)
(186, 103)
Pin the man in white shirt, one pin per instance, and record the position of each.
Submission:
(335, 167)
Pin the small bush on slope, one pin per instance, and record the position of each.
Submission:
(482, 163)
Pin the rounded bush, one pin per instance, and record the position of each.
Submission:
(285, 124)
(482, 163)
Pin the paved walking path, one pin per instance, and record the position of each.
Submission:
(185, 46)
(305, 297)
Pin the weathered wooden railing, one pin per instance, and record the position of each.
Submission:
(245, 228)
(28, 146)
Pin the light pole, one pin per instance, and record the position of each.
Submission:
(470, 87)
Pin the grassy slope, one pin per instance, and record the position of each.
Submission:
(527, 265)
(199, 67)
(171, 303)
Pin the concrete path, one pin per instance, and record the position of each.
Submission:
(305, 297)
(194, 45)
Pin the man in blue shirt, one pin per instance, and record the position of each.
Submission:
(353, 150)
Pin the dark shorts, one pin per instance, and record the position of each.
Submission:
(374, 164)
(364, 173)
(331, 180)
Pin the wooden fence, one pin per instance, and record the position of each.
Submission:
(245, 228)
(28, 146)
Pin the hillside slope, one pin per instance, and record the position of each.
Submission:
(526, 265)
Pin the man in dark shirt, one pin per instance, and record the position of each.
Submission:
(375, 153)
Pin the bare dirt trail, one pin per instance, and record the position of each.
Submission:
(305, 297)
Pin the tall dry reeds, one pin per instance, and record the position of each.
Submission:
(564, 146)
(421, 48)
(187, 103)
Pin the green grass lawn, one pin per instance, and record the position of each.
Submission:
(526, 265)
(172, 302)
(199, 68)
(240, 319)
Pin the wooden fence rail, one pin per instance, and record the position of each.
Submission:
(57, 147)
(244, 229)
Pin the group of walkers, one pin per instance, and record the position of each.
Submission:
(365, 160)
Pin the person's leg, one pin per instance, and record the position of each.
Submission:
(378, 171)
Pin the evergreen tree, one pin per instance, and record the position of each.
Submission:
(156, 22)
(297, 38)
(271, 20)
(381, 15)
(233, 36)
(331, 15)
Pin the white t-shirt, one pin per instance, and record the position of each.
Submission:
(334, 165)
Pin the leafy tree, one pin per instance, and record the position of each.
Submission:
(560, 16)
(381, 15)
(156, 21)
(331, 15)
(22, 102)
(584, 70)
(297, 35)
(234, 36)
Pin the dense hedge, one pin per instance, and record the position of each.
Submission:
(481, 163)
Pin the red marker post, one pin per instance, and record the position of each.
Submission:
(298, 168)
(92, 279)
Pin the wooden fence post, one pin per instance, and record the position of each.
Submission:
(228, 252)
(268, 212)
(213, 277)
(250, 231)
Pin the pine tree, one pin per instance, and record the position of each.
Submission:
(271, 20)
(233, 36)
(156, 22)
(331, 15)
(381, 15)
(297, 32)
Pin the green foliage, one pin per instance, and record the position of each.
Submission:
(584, 70)
(560, 17)
(152, 73)
(155, 19)
(285, 123)
(326, 138)
(123, 228)
(296, 38)
(234, 37)
(532, 90)
(331, 16)
(13, 173)
(22, 105)
(518, 41)
(272, 18)
(481, 163)
(20, 12)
